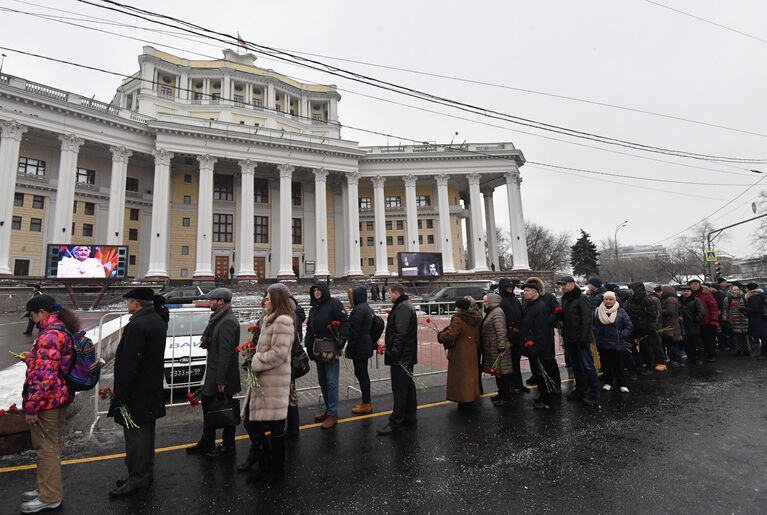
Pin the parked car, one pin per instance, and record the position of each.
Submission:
(185, 294)
(443, 300)
(184, 359)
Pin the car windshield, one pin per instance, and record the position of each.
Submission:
(439, 293)
(187, 323)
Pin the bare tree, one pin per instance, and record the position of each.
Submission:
(547, 250)
(503, 239)
(760, 235)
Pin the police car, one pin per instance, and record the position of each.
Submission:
(184, 359)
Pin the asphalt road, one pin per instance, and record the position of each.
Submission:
(689, 441)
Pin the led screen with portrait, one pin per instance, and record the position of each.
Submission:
(420, 265)
(86, 262)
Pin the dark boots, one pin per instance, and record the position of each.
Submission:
(257, 444)
(293, 428)
(272, 464)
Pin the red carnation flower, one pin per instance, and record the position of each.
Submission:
(13, 407)
(558, 309)
(328, 326)
(529, 343)
(428, 320)
(336, 322)
(515, 330)
(381, 348)
(2, 412)
(251, 328)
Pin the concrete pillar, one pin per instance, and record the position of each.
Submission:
(116, 214)
(285, 270)
(411, 213)
(477, 231)
(445, 229)
(517, 221)
(12, 132)
(204, 266)
(61, 228)
(352, 196)
(245, 268)
(379, 214)
(321, 222)
(158, 241)
(492, 236)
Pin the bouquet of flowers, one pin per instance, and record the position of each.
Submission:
(11, 409)
(248, 349)
(109, 394)
(381, 348)
(194, 397)
(335, 329)
(495, 368)
(431, 324)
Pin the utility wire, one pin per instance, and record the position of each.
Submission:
(410, 106)
(339, 72)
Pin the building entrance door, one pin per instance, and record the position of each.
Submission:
(259, 265)
(222, 268)
(21, 267)
(296, 266)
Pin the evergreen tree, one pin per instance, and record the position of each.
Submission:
(584, 257)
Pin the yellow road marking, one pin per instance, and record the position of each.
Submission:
(92, 459)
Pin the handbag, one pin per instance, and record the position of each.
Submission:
(325, 350)
(221, 411)
(299, 361)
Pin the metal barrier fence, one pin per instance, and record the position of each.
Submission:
(12, 302)
(185, 362)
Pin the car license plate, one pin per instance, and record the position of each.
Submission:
(184, 372)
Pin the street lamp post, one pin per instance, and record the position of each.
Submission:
(615, 240)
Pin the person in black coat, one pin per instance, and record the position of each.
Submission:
(645, 315)
(538, 343)
(757, 322)
(576, 318)
(324, 311)
(692, 312)
(138, 385)
(512, 308)
(359, 348)
(401, 355)
(222, 376)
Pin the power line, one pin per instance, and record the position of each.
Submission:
(381, 84)
(704, 20)
(410, 106)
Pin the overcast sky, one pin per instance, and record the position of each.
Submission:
(629, 53)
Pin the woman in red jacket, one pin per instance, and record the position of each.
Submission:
(46, 396)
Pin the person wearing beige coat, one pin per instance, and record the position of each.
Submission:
(266, 408)
(494, 344)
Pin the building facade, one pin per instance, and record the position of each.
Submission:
(203, 166)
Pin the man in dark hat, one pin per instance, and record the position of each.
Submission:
(576, 318)
(138, 385)
(36, 291)
(222, 376)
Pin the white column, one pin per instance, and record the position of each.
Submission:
(517, 221)
(379, 213)
(226, 89)
(285, 270)
(61, 228)
(492, 236)
(158, 241)
(271, 97)
(12, 132)
(352, 197)
(321, 222)
(245, 268)
(445, 229)
(286, 101)
(204, 267)
(477, 232)
(411, 212)
(116, 215)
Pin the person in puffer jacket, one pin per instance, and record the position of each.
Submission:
(46, 396)
(710, 325)
(734, 313)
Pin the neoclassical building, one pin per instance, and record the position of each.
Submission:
(203, 166)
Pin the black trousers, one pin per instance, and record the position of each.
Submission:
(504, 386)
(363, 377)
(651, 350)
(403, 391)
(139, 453)
(708, 336)
(613, 367)
(256, 428)
(692, 346)
(209, 433)
(516, 374)
(550, 367)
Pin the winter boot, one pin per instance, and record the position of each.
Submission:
(251, 460)
(263, 453)
(363, 409)
(275, 472)
(293, 428)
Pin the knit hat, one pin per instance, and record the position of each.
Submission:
(595, 281)
(463, 303)
(694, 281)
(532, 286)
(279, 286)
(609, 295)
(752, 286)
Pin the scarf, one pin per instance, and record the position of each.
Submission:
(214, 317)
(608, 316)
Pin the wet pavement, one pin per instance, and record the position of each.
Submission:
(689, 441)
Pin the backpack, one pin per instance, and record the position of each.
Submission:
(376, 329)
(85, 371)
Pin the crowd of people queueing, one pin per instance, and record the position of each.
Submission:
(633, 330)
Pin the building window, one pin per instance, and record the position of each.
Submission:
(16, 223)
(388, 225)
(38, 202)
(18, 200)
(419, 224)
(296, 231)
(393, 202)
(131, 184)
(73, 228)
(261, 190)
(36, 224)
(184, 272)
(188, 178)
(74, 207)
(420, 239)
(295, 193)
(186, 222)
(430, 239)
(185, 250)
(422, 200)
(400, 240)
(371, 262)
(369, 226)
(239, 99)
(390, 261)
(223, 187)
(389, 241)
(134, 214)
(132, 259)
(85, 176)
(88, 230)
(366, 203)
(29, 166)
(223, 227)
(166, 91)
(187, 199)
(430, 224)
(133, 234)
(90, 208)
(400, 225)
(371, 241)
(261, 229)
